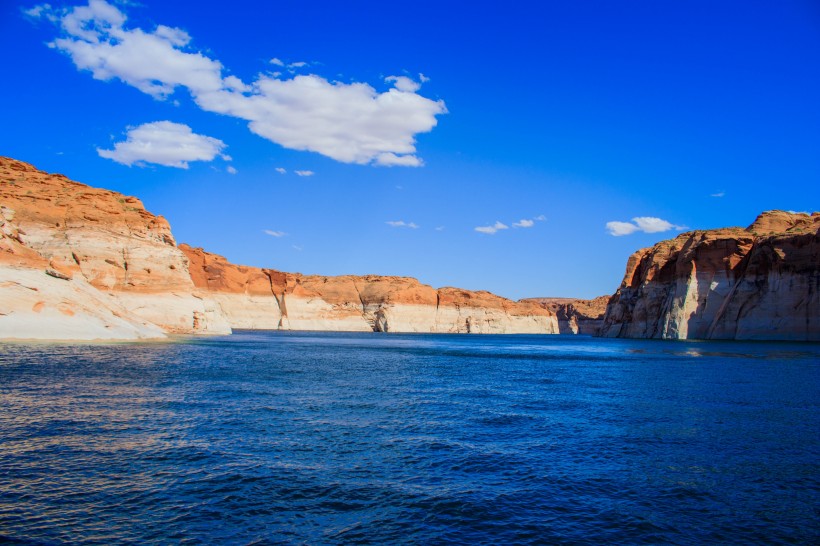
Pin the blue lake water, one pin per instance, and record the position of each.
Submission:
(330, 438)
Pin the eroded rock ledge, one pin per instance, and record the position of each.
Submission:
(761, 282)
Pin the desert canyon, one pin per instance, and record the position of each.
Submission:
(83, 263)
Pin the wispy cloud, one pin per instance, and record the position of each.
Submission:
(646, 224)
(304, 173)
(402, 223)
(524, 223)
(297, 247)
(718, 194)
(280, 170)
(231, 169)
(439, 228)
(273, 233)
(541, 218)
(164, 143)
(348, 122)
(491, 230)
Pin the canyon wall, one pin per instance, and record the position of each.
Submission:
(761, 282)
(576, 316)
(84, 263)
(86, 256)
(265, 298)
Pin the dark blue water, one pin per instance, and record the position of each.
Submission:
(268, 438)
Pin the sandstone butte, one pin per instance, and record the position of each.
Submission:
(761, 282)
(78, 262)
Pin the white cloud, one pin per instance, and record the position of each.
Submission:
(304, 173)
(621, 228)
(401, 223)
(163, 143)
(718, 194)
(276, 62)
(298, 64)
(541, 218)
(297, 247)
(231, 169)
(351, 123)
(389, 159)
(490, 230)
(43, 10)
(649, 224)
(440, 228)
(280, 170)
(275, 233)
(646, 224)
(524, 223)
(403, 83)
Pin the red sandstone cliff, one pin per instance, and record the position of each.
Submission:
(102, 243)
(265, 298)
(84, 263)
(761, 282)
(576, 316)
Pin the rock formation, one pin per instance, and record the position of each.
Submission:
(97, 254)
(83, 263)
(575, 316)
(265, 298)
(762, 282)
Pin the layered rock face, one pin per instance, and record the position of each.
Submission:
(264, 298)
(122, 259)
(762, 282)
(83, 263)
(576, 316)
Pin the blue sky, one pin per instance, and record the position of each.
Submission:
(597, 127)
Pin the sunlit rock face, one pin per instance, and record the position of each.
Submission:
(101, 240)
(84, 263)
(265, 298)
(761, 282)
(576, 316)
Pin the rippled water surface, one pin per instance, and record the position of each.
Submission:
(317, 438)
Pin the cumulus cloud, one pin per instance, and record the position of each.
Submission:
(490, 230)
(280, 170)
(231, 169)
(524, 223)
(273, 233)
(389, 159)
(304, 173)
(618, 229)
(646, 224)
(163, 143)
(401, 223)
(403, 83)
(351, 123)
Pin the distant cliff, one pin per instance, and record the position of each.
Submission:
(575, 316)
(84, 263)
(761, 282)
(265, 298)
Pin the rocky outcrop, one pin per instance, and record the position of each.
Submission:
(94, 255)
(576, 316)
(761, 282)
(265, 298)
